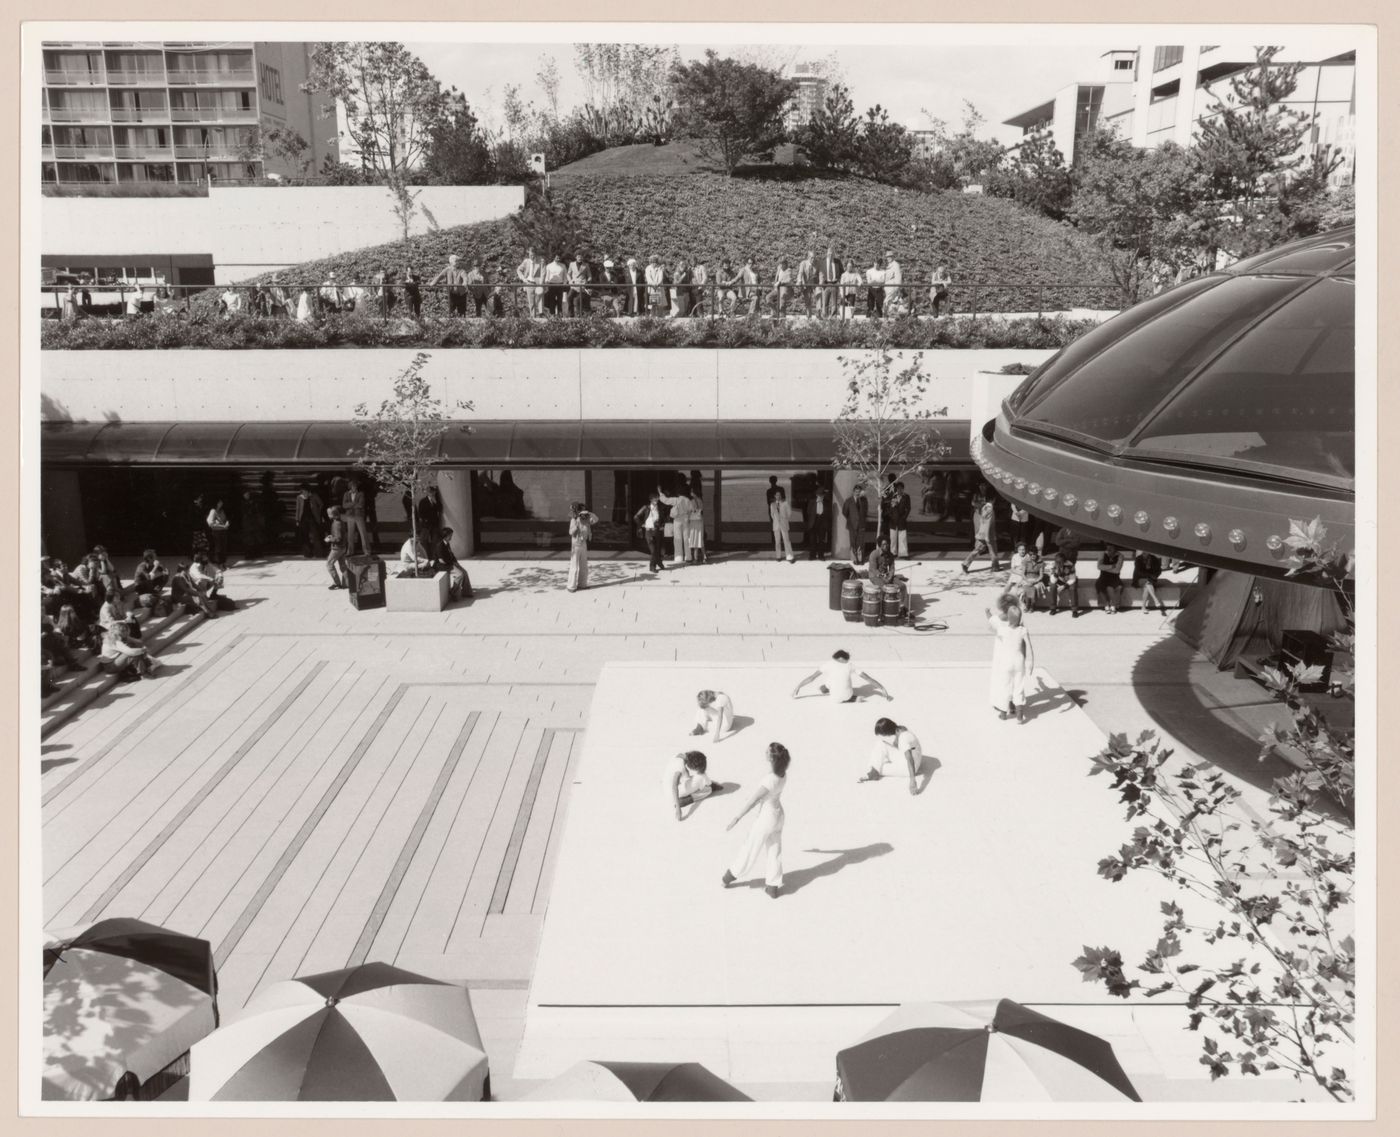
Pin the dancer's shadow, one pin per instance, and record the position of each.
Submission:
(1049, 699)
(738, 723)
(800, 878)
(47, 764)
(54, 747)
(722, 788)
(929, 766)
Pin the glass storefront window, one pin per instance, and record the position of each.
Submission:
(525, 508)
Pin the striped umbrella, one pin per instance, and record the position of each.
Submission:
(122, 998)
(367, 1033)
(637, 1081)
(935, 1052)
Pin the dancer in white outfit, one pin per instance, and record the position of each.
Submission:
(580, 530)
(1013, 660)
(838, 679)
(766, 836)
(714, 707)
(892, 739)
(686, 781)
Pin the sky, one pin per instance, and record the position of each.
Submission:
(907, 80)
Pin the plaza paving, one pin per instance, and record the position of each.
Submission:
(309, 786)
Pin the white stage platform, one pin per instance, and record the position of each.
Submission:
(982, 886)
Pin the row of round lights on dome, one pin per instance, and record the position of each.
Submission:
(1141, 518)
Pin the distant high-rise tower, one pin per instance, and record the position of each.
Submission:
(810, 94)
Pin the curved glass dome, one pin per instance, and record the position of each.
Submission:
(1250, 370)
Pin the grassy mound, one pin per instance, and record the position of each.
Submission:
(708, 216)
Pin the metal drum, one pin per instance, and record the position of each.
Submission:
(870, 604)
(850, 600)
(892, 603)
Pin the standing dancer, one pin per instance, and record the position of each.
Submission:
(984, 537)
(716, 707)
(781, 514)
(695, 527)
(580, 531)
(1013, 660)
(766, 836)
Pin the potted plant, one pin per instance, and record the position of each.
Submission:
(401, 450)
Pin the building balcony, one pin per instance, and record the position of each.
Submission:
(136, 78)
(76, 114)
(93, 153)
(142, 153)
(62, 78)
(140, 114)
(213, 152)
(231, 76)
(212, 114)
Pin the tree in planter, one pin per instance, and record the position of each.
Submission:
(884, 427)
(1265, 957)
(403, 436)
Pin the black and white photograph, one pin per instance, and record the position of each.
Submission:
(483, 476)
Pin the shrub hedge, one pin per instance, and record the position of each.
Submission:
(243, 331)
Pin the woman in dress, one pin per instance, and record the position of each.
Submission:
(217, 521)
(695, 529)
(781, 514)
(1013, 660)
(199, 536)
(1147, 570)
(1109, 587)
(580, 531)
(766, 836)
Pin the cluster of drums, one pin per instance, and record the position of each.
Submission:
(875, 604)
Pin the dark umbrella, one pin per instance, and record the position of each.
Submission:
(122, 1000)
(935, 1052)
(637, 1081)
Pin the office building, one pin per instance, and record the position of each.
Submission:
(1078, 108)
(809, 97)
(130, 112)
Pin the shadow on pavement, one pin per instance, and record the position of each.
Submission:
(800, 878)
(540, 577)
(47, 764)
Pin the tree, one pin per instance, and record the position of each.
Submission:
(1265, 958)
(404, 201)
(1037, 176)
(885, 149)
(1138, 206)
(735, 109)
(549, 224)
(962, 159)
(287, 145)
(884, 431)
(402, 438)
(627, 94)
(1248, 152)
(392, 102)
(831, 137)
(458, 151)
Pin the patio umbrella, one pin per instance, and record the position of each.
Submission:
(121, 997)
(935, 1052)
(637, 1081)
(367, 1033)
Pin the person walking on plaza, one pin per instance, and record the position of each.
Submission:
(875, 289)
(695, 527)
(838, 676)
(310, 520)
(680, 522)
(581, 523)
(1013, 660)
(1064, 579)
(717, 710)
(530, 272)
(687, 782)
(649, 519)
(891, 740)
(765, 838)
(459, 585)
(1147, 570)
(856, 509)
(939, 283)
(337, 540)
(781, 514)
(1109, 586)
(984, 536)
(218, 523)
(353, 508)
(1021, 524)
(828, 280)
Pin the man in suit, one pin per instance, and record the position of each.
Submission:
(855, 509)
(748, 287)
(580, 277)
(530, 272)
(805, 278)
(310, 520)
(829, 276)
(894, 279)
(478, 288)
(699, 289)
(355, 512)
(900, 508)
(456, 280)
(816, 523)
(875, 290)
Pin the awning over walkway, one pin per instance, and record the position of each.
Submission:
(490, 443)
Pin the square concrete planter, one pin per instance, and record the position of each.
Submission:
(416, 594)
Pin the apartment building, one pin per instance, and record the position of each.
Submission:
(120, 112)
(809, 97)
(1155, 94)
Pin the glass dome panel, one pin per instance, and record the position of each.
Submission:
(1111, 394)
(1092, 342)
(1283, 395)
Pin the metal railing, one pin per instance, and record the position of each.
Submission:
(95, 151)
(76, 114)
(136, 77)
(210, 152)
(141, 114)
(192, 77)
(153, 152)
(415, 300)
(75, 77)
(212, 114)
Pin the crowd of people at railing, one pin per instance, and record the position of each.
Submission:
(88, 611)
(812, 286)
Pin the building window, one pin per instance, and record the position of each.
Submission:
(1164, 57)
(1122, 65)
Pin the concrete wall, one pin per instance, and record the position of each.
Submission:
(521, 384)
(252, 229)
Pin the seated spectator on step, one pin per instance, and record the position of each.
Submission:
(124, 655)
(87, 580)
(150, 581)
(445, 560)
(77, 633)
(1064, 579)
(54, 645)
(185, 595)
(55, 586)
(113, 611)
(1027, 573)
(207, 579)
(880, 569)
